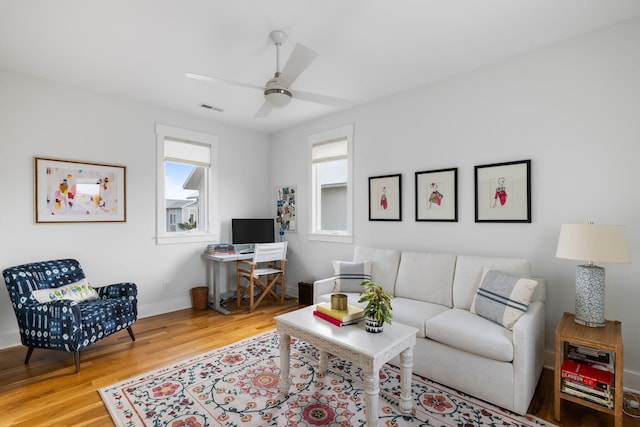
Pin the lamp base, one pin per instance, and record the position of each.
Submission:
(590, 296)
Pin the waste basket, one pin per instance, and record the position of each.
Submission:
(199, 297)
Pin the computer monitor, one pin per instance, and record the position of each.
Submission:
(252, 230)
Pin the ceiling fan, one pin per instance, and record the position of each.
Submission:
(277, 91)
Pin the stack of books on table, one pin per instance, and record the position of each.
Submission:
(349, 316)
(587, 382)
(221, 249)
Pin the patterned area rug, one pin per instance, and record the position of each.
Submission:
(237, 385)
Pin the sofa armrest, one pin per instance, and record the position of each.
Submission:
(528, 353)
(323, 286)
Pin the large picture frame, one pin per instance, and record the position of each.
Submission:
(385, 198)
(73, 191)
(503, 192)
(286, 208)
(437, 195)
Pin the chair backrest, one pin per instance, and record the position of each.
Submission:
(269, 252)
(22, 280)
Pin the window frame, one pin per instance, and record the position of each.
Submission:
(164, 237)
(338, 236)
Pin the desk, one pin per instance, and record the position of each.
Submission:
(217, 274)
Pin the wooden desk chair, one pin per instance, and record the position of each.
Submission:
(263, 273)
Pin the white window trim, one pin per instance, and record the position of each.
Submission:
(331, 236)
(162, 236)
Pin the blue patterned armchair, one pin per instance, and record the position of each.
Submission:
(75, 314)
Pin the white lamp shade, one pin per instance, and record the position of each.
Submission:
(593, 243)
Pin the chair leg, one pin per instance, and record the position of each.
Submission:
(76, 357)
(133, 338)
(29, 353)
(251, 294)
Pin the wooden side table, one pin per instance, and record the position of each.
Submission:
(608, 338)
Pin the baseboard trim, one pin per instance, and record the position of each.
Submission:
(631, 379)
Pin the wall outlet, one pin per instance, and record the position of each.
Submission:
(165, 286)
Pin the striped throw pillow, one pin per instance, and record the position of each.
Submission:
(502, 298)
(349, 275)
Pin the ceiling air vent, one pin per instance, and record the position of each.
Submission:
(211, 107)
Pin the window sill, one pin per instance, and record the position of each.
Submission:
(185, 238)
(335, 238)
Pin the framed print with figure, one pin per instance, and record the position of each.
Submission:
(437, 195)
(503, 192)
(70, 191)
(385, 198)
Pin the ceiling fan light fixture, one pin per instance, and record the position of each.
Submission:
(277, 97)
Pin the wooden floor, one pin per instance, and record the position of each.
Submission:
(47, 392)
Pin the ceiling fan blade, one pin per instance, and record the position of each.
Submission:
(219, 80)
(321, 99)
(299, 60)
(264, 111)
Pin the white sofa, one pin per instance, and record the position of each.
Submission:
(434, 292)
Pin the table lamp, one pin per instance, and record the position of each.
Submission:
(591, 243)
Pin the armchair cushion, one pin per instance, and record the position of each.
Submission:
(78, 291)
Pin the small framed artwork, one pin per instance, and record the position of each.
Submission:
(385, 198)
(286, 208)
(70, 191)
(503, 192)
(437, 195)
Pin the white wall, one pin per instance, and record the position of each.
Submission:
(572, 108)
(44, 119)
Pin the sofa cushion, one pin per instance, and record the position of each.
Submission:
(469, 271)
(77, 291)
(414, 313)
(349, 275)
(465, 331)
(384, 265)
(502, 298)
(426, 277)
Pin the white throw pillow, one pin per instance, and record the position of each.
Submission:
(502, 298)
(78, 291)
(349, 275)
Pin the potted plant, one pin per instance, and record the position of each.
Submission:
(378, 309)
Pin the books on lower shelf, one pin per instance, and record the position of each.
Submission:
(591, 356)
(587, 382)
(351, 313)
(334, 320)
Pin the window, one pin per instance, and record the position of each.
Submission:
(186, 186)
(331, 185)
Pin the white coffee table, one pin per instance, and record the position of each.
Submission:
(352, 343)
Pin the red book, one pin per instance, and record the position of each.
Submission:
(333, 320)
(586, 374)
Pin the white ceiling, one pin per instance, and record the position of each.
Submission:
(368, 49)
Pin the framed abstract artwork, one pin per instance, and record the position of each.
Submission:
(503, 192)
(437, 195)
(71, 191)
(385, 198)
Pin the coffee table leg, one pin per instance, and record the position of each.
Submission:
(371, 399)
(324, 356)
(285, 348)
(406, 368)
